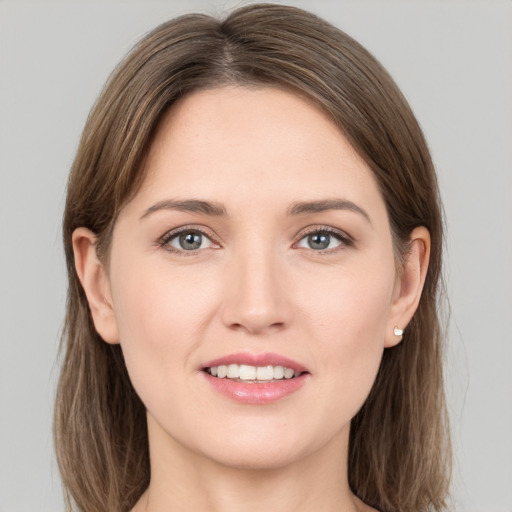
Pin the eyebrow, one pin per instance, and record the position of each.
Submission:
(218, 210)
(307, 207)
(188, 205)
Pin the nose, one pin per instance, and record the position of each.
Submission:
(256, 293)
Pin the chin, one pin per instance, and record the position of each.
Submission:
(256, 443)
(262, 457)
(266, 446)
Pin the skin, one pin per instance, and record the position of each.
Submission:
(255, 285)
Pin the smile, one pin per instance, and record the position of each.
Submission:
(252, 374)
(255, 378)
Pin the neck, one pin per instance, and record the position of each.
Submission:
(184, 480)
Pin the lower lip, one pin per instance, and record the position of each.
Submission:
(254, 393)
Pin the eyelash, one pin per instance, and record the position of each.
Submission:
(344, 239)
(164, 241)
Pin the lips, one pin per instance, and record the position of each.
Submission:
(255, 378)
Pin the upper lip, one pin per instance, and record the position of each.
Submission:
(264, 359)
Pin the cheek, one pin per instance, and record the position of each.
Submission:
(158, 317)
(348, 321)
(353, 304)
(154, 299)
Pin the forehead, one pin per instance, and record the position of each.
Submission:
(253, 142)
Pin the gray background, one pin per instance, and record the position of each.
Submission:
(452, 59)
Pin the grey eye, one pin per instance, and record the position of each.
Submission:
(190, 241)
(320, 240)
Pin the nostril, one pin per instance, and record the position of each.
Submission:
(255, 328)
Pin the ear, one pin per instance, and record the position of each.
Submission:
(95, 282)
(409, 285)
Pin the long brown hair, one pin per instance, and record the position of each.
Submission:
(399, 450)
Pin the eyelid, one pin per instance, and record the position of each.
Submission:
(345, 239)
(164, 240)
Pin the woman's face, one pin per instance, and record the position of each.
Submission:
(259, 238)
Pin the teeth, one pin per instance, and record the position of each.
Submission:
(247, 372)
(278, 372)
(288, 373)
(233, 371)
(252, 373)
(264, 373)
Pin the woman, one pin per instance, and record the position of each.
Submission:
(253, 238)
